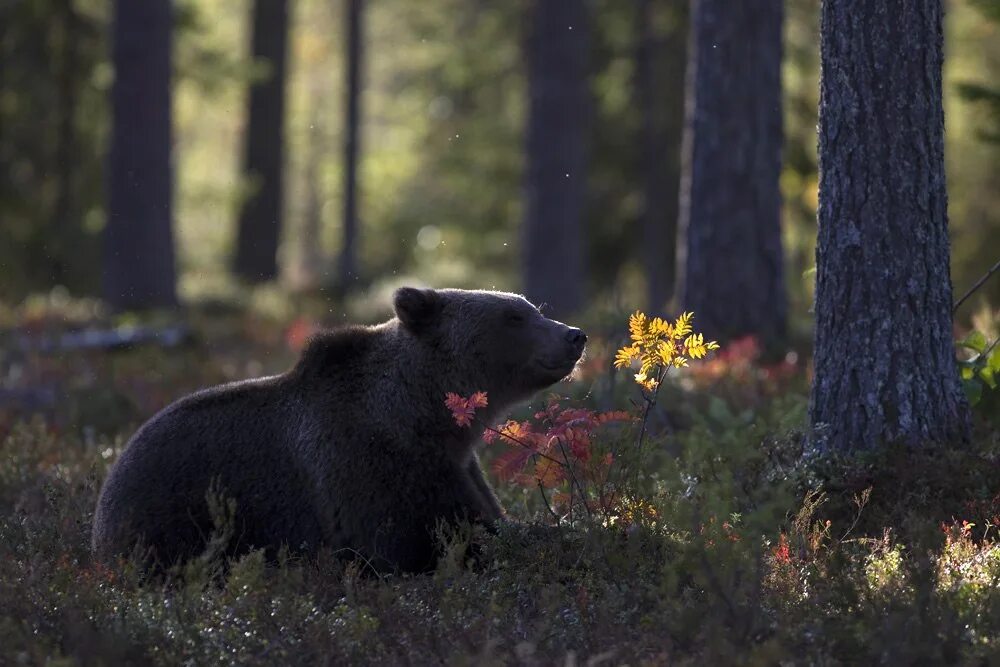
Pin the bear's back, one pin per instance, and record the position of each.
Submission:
(232, 440)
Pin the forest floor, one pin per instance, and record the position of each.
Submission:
(739, 542)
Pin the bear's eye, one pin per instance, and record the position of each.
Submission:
(514, 317)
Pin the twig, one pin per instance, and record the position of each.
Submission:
(650, 403)
(713, 578)
(541, 490)
(573, 479)
(520, 442)
(979, 283)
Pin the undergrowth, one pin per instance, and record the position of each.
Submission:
(733, 543)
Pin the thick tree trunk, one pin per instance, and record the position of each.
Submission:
(259, 228)
(556, 178)
(139, 252)
(348, 269)
(731, 264)
(885, 362)
(660, 59)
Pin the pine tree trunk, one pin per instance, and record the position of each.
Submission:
(138, 252)
(885, 362)
(348, 269)
(306, 271)
(660, 58)
(556, 178)
(731, 270)
(65, 218)
(259, 227)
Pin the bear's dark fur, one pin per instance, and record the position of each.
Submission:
(352, 449)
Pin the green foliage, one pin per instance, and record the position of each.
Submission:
(983, 95)
(53, 114)
(981, 371)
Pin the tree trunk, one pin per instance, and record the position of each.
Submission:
(885, 362)
(65, 217)
(348, 269)
(259, 226)
(556, 178)
(731, 268)
(309, 266)
(660, 59)
(139, 252)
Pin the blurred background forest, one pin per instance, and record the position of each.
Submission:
(443, 106)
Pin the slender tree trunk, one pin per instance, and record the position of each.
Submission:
(64, 227)
(731, 267)
(139, 252)
(348, 269)
(885, 362)
(259, 228)
(556, 178)
(309, 265)
(660, 58)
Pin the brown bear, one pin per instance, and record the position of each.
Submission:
(352, 449)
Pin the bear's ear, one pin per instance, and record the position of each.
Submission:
(417, 309)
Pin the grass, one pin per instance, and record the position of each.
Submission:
(756, 550)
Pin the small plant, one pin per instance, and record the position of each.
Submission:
(559, 450)
(981, 370)
(657, 347)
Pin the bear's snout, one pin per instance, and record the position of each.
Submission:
(577, 339)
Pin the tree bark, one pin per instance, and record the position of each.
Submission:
(556, 178)
(885, 362)
(348, 269)
(731, 270)
(660, 60)
(139, 252)
(259, 227)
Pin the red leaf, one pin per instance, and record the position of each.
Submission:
(511, 463)
(464, 409)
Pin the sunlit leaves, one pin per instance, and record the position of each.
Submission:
(696, 346)
(658, 345)
(555, 450)
(979, 373)
(464, 409)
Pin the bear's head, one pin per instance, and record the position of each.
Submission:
(489, 341)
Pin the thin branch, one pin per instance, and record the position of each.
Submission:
(520, 442)
(979, 283)
(541, 490)
(573, 479)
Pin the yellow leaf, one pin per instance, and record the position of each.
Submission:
(637, 325)
(660, 328)
(626, 356)
(666, 352)
(682, 327)
(695, 345)
(645, 381)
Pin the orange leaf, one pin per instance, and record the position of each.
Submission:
(548, 473)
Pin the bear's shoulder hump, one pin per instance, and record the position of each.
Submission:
(336, 347)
